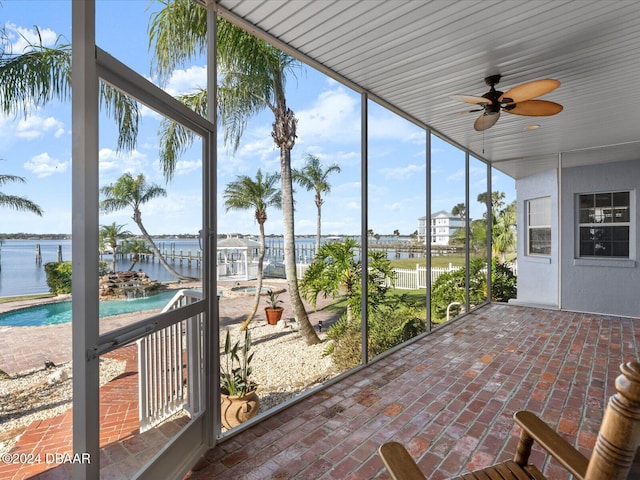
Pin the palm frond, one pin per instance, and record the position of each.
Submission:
(30, 79)
(177, 33)
(176, 139)
(11, 178)
(20, 203)
(246, 193)
(124, 110)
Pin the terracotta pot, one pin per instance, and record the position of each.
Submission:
(273, 314)
(235, 410)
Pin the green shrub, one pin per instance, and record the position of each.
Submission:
(389, 325)
(58, 277)
(450, 286)
(503, 282)
(103, 268)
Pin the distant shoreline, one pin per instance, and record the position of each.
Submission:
(68, 236)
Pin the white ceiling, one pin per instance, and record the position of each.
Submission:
(413, 54)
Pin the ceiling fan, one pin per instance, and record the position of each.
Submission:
(518, 100)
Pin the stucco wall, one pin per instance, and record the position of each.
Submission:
(537, 275)
(609, 286)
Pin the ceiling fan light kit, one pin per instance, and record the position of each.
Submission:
(518, 100)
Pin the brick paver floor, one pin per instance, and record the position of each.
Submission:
(449, 397)
(123, 448)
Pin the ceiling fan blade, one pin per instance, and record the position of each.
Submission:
(529, 90)
(486, 120)
(535, 108)
(464, 112)
(472, 99)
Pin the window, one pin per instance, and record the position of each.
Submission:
(539, 226)
(604, 222)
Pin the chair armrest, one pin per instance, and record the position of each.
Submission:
(399, 462)
(534, 428)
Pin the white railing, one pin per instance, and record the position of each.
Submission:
(170, 366)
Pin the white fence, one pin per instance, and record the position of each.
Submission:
(407, 279)
(167, 360)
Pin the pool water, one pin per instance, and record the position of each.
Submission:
(263, 290)
(54, 313)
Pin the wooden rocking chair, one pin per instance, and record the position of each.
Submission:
(612, 457)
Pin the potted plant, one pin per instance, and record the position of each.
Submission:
(239, 400)
(273, 311)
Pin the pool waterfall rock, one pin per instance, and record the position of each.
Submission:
(127, 285)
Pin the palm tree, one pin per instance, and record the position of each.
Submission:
(333, 271)
(109, 235)
(246, 193)
(135, 248)
(503, 223)
(504, 232)
(313, 176)
(459, 210)
(252, 77)
(134, 192)
(14, 201)
(32, 78)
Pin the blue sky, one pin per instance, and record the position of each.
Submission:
(38, 147)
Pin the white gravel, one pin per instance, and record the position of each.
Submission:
(283, 364)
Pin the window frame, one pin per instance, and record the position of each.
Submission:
(538, 226)
(613, 227)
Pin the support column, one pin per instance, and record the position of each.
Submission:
(84, 175)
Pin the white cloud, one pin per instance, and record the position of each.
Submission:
(43, 165)
(403, 173)
(334, 117)
(36, 126)
(186, 81)
(121, 162)
(457, 176)
(385, 125)
(20, 38)
(185, 167)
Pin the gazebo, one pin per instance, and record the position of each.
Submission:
(237, 258)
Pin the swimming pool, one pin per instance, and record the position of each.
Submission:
(54, 313)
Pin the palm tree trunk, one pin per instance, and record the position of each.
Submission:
(261, 250)
(319, 222)
(135, 259)
(157, 253)
(284, 136)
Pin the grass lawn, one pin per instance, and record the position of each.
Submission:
(26, 297)
(439, 261)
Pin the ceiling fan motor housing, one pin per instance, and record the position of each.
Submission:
(493, 95)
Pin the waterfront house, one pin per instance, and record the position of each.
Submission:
(577, 175)
(442, 227)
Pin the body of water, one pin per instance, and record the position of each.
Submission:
(21, 274)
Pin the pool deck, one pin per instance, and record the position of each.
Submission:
(123, 448)
(25, 349)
